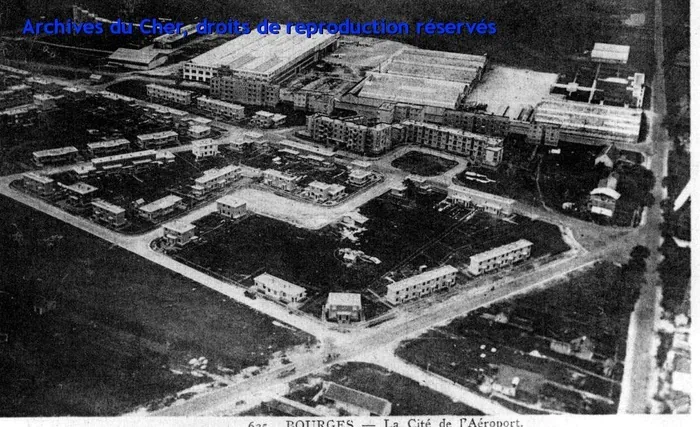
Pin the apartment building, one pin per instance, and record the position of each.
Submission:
(500, 257)
(55, 155)
(350, 134)
(266, 119)
(79, 194)
(157, 139)
(421, 284)
(231, 207)
(281, 180)
(490, 203)
(169, 94)
(204, 148)
(248, 91)
(108, 148)
(40, 184)
(483, 149)
(179, 233)
(218, 107)
(135, 161)
(279, 289)
(108, 213)
(24, 115)
(360, 177)
(214, 179)
(160, 208)
(321, 191)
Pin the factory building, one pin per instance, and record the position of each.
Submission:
(137, 59)
(263, 57)
(178, 233)
(108, 213)
(55, 155)
(486, 150)
(160, 208)
(218, 107)
(500, 257)
(157, 139)
(204, 148)
(490, 203)
(603, 199)
(279, 289)
(40, 184)
(231, 207)
(583, 123)
(343, 307)
(169, 94)
(108, 148)
(214, 179)
(421, 284)
(281, 180)
(610, 53)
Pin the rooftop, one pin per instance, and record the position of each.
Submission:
(38, 178)
(137, 56)
(412, 90)
(373, 404)
(343, 298)
(276, 283)
(592, 118)
(605, 52)
(79, 187)
(422, 277)
(55, 152)
(160, 204)
(108, 144)
(109, 207)
(472, 192)
(179, 227)
(156, 135)
(125, 156)
(230, 200)
(501, 250)
(203, 142)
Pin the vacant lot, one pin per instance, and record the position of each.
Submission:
(514, 338)
(407, 397)
(119, 325)
(423, 164)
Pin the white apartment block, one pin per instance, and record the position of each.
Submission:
(421, 285)
(279, 289)
(108, 148)
(321, 191)
(213, 179)
(39, 184)
(179, 233)
(108, 213)
(169, 94)
(281, 180)
(231, 207)
(221, 108)
(204, 148)
(502, 256)
(160, 207)
(157, 139)
(199, 131)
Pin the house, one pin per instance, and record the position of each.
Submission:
(204, 148)
(40, 184)
(108, 213)
(160, 207)
(500, 257)
(343, 307)
(178, 233)
(231, 207)
(360, 177)
(321, 192)
(199, 131)
(603, 199)
(421, 284)
(281, 180)
(279, 289)
(355, 402)
(79, 194)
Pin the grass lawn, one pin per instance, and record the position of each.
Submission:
(423, 164)
(119, 325)
(407, 397)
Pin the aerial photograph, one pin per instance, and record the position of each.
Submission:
(313, 209)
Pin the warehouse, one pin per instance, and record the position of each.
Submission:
(108, 148)
(169, 94)
(421, 284)
(610, 53)
(490, 203)
(591, 124)
(263, 57)
(160, 207)
(279, 289)
(141, 59)
(55, 155)
(221, 108)
(157, 139)
(108, 213)
(500, 257)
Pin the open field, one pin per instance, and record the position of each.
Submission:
(120, 323)
(525, 337)
(403, 235)
(406, 395)
(423, 164)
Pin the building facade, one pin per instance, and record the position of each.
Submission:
(108, 148)
(281, 180)
(55, 155)
(169, 94)
(160, 208)
(421, 284)
(40, 184)
(231, 207)
(179, 233)
(343, 307)
(108, 213)
(218, 107)
(488, 202)
(500, 257)
(204, 148)
(279, 289)
(321, 191)
(214, 179)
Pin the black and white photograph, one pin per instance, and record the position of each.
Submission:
(346, 213)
